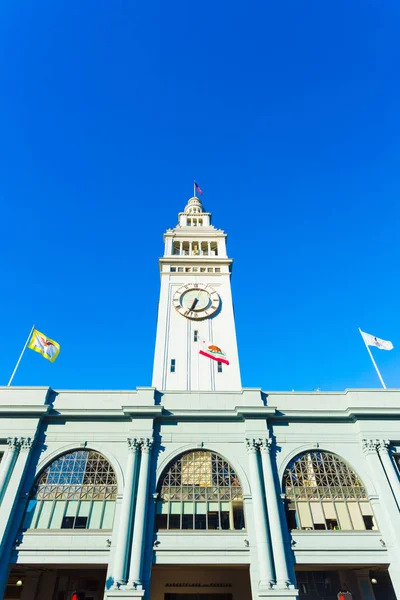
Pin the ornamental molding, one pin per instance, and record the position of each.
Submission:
(383, 446)
(25, 444)
(13, 443)
(146, 445)
(252, 445)
(370, 446)
(133, 445)
(265, 446)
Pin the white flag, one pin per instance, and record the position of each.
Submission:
(371, 340)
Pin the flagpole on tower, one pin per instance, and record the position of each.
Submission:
(194, 188)
(372, 358)
(20, 356)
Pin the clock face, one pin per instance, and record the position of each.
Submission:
(196, 301)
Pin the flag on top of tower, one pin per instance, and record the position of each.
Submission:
(198, 189)
(371, 340)
(214, 352)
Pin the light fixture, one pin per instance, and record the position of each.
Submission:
(373, 580)
(19, 583)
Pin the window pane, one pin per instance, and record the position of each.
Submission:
(200, 522)
(200, 508)
(225, 520)
(84, 509)
(161, 521)
(213, 520)
(343, 515)
(108, 516)
(187, 521)
(95, 515)
(58, 514)
(80, 523)
(238, 515)
(67, 523)
(174, 521)
(305, 515)
(175, 508)
(44, 516)
(72, 507)
(187, 508)
(366, 508)
(317, 512)
(31, 514)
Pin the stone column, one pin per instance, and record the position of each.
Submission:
(377, 473)
(7, 464)
(10, 496)
(135, 569)
(275, 525)
(387, 501)
(383, 449)
(260, 519)
(9, 517)
(125, 522)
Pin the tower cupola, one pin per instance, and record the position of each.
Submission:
(194, 206)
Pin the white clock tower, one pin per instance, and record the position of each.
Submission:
(195, 309)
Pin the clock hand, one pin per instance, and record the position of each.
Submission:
(195, 301)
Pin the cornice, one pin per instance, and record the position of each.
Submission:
(188, 258)
(24, 410)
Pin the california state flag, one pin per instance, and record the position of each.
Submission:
(214, 352)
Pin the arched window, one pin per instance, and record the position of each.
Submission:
(200, 490)
(323, 492)
(76, 491)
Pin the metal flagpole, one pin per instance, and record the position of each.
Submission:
(194, 188)
(21, 355)
(372, 358)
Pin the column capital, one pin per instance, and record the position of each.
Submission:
(146, 444)
(369, 446)
(252, 445)
(13, 443)
(25, 444)
(133, 445)
(383, 446)
(265, 446)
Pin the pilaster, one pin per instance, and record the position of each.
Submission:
(7, 463)
(275, 524)
(125, 522)
(264, 553)
(383, 447)
(8, 508)
(386, 497)
(135, 569)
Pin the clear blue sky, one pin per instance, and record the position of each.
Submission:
(287, 114)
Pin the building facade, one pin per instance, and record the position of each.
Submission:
(195, 488)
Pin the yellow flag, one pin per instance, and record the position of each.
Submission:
(45, 346)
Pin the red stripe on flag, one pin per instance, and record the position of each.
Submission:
(217, 358)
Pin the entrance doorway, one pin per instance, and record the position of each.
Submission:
(197, 596)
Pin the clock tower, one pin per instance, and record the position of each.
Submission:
(195, 308)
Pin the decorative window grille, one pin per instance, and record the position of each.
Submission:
(323, 492)
(200, 490)
(77, 491)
